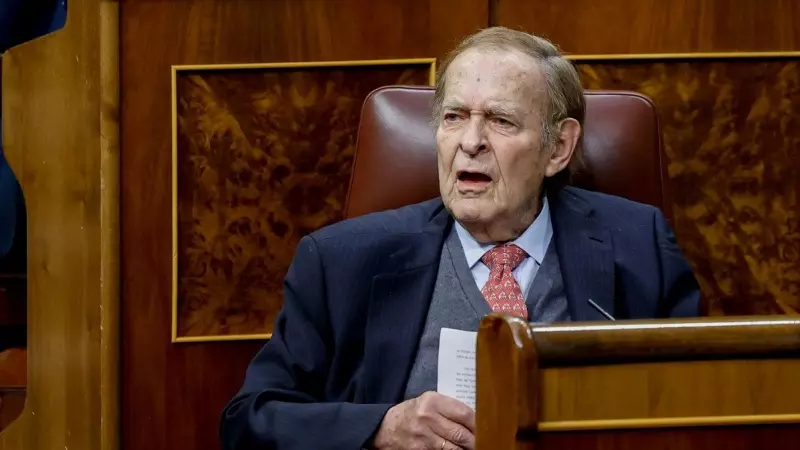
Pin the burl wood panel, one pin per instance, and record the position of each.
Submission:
(172, 394)
(264, 158)
(732, 136)
(656, 26)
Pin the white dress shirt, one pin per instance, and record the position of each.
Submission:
(534, 241)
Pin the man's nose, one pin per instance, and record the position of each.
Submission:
(473, 141)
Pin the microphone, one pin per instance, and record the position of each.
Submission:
(602, 311)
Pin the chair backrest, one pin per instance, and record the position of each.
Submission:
(395, 157)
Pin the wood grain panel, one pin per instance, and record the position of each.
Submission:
(760, 437)
(670, 390)
(173, 394)
(657, 26)
(732, 138)
(264, 157)
(60, 104)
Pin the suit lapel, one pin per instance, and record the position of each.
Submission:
(398, 307)
(585, 254)
(401, 295)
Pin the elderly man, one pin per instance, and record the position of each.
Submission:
(352, 362)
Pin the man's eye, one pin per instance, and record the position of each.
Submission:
(502, 122)
(450, 117)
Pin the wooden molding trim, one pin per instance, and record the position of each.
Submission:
(110, 245)
(682, 56)
(312, 64)
(667, 422)
(667, 340)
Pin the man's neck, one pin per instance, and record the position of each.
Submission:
(499, 232)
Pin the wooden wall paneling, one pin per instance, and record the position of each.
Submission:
(262, 157)
(173, 393)
(60, 103)
(732, 145)
(728, 124)
(657, 26)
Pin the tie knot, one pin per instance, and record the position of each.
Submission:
(509, 255)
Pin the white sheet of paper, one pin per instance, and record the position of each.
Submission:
(456, 368)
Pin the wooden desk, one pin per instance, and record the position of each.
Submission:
(690, 384)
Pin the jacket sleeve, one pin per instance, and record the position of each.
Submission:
(280, 405)
(680, 291)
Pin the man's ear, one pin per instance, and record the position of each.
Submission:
(568, 135)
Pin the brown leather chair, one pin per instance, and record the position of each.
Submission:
(395, 158)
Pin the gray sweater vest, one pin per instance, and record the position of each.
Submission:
(458, 303)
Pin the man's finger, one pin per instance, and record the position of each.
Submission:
(457, 412)
(462, 437)
(453, 433)
(450, 446)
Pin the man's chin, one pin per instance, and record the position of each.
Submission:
(470, 210)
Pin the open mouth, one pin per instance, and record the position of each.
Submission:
(473, 178)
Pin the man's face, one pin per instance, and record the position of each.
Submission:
(489, 137)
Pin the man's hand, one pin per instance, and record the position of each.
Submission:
(429, 422)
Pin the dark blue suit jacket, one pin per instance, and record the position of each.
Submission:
(357, 294)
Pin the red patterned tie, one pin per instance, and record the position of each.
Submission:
(502, 291)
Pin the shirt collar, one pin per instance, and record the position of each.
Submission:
(534, 240)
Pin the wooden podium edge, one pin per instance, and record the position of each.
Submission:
(504, 395)
(693, 339)
(510, 353)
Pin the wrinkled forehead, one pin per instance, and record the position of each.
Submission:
(483, 77)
